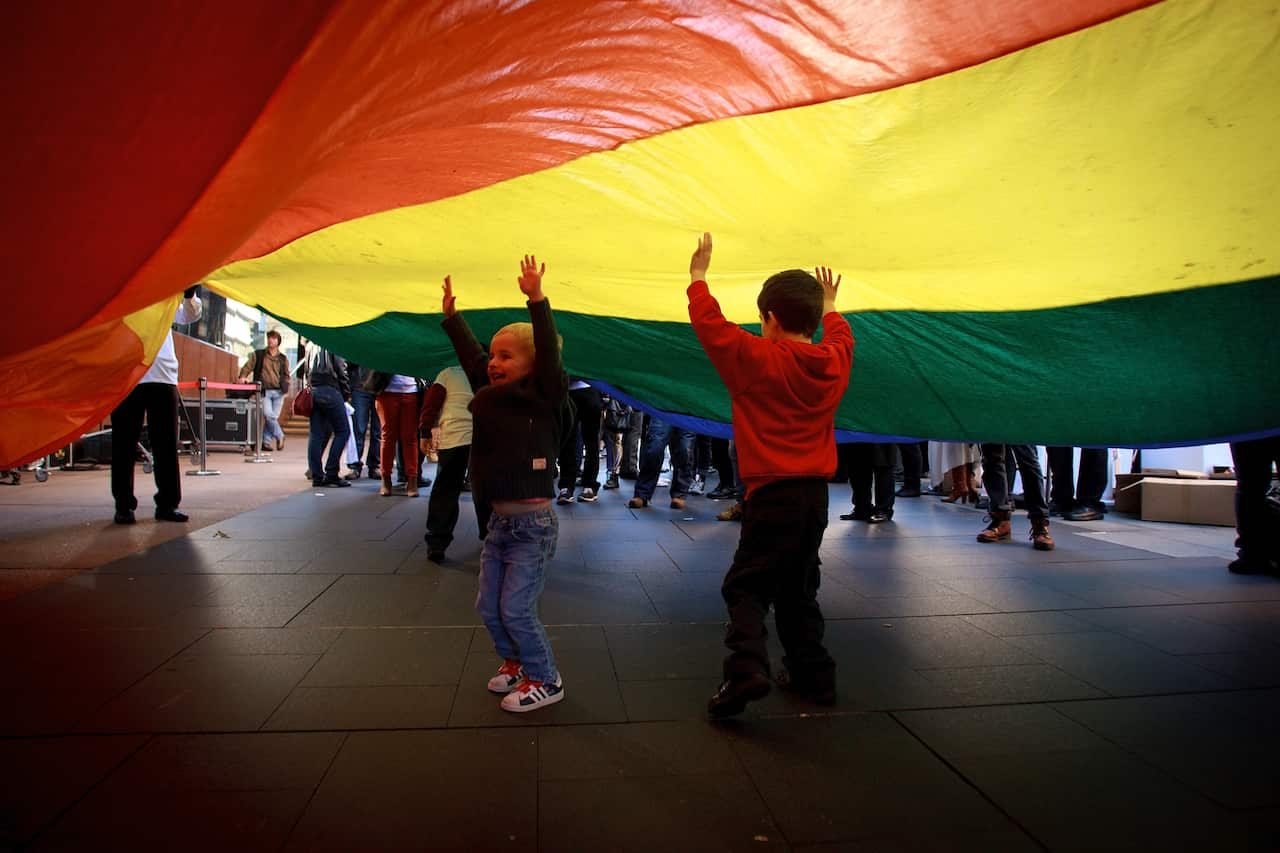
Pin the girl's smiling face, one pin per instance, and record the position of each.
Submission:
(510, 359)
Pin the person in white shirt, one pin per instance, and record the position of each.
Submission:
(445, 425)
(156, 397)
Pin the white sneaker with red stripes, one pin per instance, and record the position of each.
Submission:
(510, 674)
(531, 695)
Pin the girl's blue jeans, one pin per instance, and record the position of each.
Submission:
(513, 567)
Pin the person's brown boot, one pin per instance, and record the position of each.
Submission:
(1040, 538)
(411, 487)
(385, 491)
(998, 530)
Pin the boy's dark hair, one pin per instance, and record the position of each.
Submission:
(274, 334)
(795, 298)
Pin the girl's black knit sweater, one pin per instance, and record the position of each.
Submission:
(517, 427)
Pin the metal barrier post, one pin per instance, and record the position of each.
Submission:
(204, 443)
(257, 445)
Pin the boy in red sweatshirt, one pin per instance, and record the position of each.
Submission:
(785, 390)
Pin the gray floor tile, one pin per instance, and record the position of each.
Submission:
(266, 641)
(988, 685)
(89, 659)
(596, 600)
(191, 693)
(1026, 624)
(660, 749)
(1120, 666)
(1168, 629)
(49, 710)
(368, 600)
(956, 733)
(379, 657)
(348, 708)
(1257, 668)
(227, 762)
(653, 652)
(44, 776)
(455, 778)
(841, 778)
(712, 813)
(929, 642)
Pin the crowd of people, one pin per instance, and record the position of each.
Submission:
(509, 424)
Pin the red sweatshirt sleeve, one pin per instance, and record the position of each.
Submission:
(432, 403)
(726, 344)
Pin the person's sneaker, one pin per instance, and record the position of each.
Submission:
(734, 694)
(1040, 538)
(733, 513)
(677, 503)
(531, 695)
(509, 675)
(1084, 513)
(697, 487)
(354, 473)
(721, 493)
(637, 503)
(336, 483)
(587, 495)
(1251, 566)
(565, 497)
(611, 482)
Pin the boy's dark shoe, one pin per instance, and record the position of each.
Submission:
(125, 516)
(170, 515)
(732, 697)
(436, 555)
(806, 688)
(335, 483)
(374, 473)
(880, 516)
(856, 515)
(1084, 513)
(1247, 566)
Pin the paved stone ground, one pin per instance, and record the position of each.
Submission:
(299, 677)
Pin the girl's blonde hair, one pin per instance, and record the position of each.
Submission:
(523, 332)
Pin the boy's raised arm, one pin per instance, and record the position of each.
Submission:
(547, 364)
(725, 343)
(471, 356)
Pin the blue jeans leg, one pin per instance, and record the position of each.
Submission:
(651, 451)
(272, 400)
(365, 419)
(512, 575)
(328, 420)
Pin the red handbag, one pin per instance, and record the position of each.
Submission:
(302, 403)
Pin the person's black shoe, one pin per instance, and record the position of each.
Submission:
(374, 473)
(1083, 513)
(878, 517)
(1251, 566)
(336, 483)
(819, 694)
(855, 516)
(354, 473)
(435, 556)
(171, 515)
(125, 516)
(904, 492)
(721, 493)
(611, 482)
(1057, 509)
(732, 697)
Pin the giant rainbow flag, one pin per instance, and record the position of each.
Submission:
(1057, 222)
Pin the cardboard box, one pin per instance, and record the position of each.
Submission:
(1189, 501)
(1179, 473)
(1128, 493)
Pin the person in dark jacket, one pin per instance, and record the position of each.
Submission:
(330, 391)
(520, 415)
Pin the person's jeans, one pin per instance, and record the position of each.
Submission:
(777, 564)
(362, 402)
(513, 566)
(997, 484)
(328, 420)
(272, 401)
(659, 436)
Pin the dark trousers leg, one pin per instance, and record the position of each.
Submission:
(1032, 481)
(993, 477)
(632, 441)
(1062, 492)
(680, 442)
(162, 429)
(858, 458)
(884, 488)
(777, 561)
(912, 465)
(1257, 539)
(1093, 476)
(126, 426)
(723, 465)
(442, 508)
(590, 411)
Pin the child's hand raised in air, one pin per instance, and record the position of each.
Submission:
(701, 259)
(530, 279)
(829, 288)
(448, 303)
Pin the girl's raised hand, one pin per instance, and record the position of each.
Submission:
(448, 303)
(530, 279)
